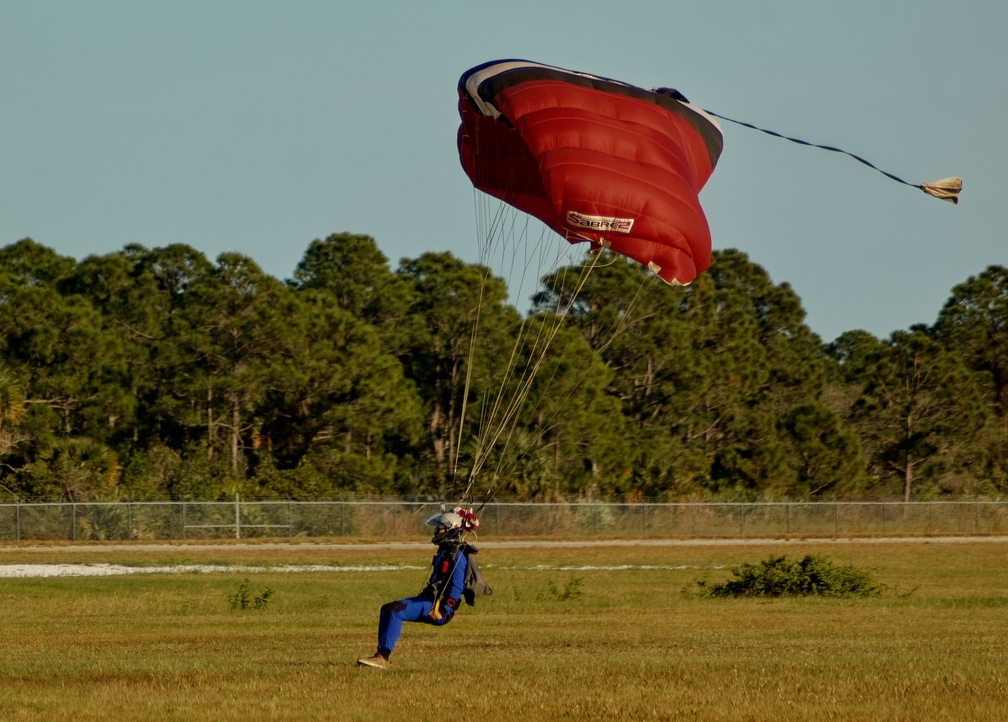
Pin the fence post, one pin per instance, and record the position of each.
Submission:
(17, 520)
(787, 516)
(73, 522)
(237, 518)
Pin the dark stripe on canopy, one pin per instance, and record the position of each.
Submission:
(510, 77)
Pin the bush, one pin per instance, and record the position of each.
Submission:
(572, 590)
(242, 599)
(812, 575)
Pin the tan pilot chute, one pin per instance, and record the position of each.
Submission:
(947, 189)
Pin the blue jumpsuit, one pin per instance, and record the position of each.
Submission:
(450, 564)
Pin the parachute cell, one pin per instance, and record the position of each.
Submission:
(594, 159)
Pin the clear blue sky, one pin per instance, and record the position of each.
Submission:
(256, 127)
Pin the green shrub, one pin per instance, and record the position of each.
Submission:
(812, 575)
(242, 598)
(572, 590)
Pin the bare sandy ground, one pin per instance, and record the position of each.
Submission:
(107, 570)
(115, 570)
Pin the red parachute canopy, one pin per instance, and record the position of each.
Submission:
(594, 159)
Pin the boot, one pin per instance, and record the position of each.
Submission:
(377, 660)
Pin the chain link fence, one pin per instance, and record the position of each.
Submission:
(238, 519)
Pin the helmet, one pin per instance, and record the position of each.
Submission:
(449, 525)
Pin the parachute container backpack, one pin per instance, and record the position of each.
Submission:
(596, 160)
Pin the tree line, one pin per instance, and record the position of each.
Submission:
(158, 373)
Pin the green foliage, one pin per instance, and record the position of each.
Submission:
(149, 373)
(778, 576)
(572, 589)
(916, 407)
(974, 321)
(825, 457)
(242, 599)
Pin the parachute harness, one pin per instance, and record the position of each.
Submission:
(468, 523)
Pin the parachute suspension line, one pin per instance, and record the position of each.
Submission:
(627, 316)
(484, 230)
(488, 226)
(496, 235)
(468, 380)
(486, 252)
(506, 427)
(489, 410)
(489, 433)
(946, 189)
(509, 418)
(625, 320)
(499, 415)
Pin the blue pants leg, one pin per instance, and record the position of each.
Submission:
(411, 609)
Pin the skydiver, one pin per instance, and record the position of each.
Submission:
(454, 575)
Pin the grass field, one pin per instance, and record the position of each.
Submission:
(565, 636)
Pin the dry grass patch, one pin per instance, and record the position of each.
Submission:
(628, 645)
